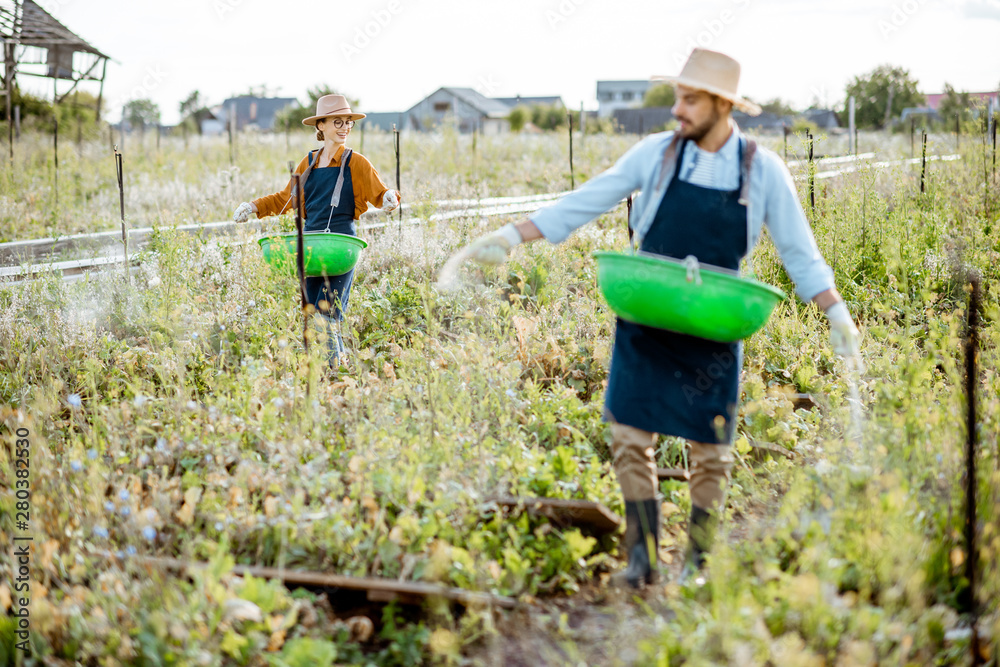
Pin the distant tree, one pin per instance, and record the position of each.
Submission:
(191, 104)
(660, 95)
(882, 94)
(517, 118)
(549, 116)
(954, 104)
(141, 112)
(193, 110)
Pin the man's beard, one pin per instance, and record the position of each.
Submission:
(698, 132)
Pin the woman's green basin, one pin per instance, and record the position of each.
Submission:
(326, 253)
(681, 296)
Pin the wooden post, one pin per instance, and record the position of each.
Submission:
(17, 122)
(994, 133)
(121, 199)
(812, 176)
(232, 133)
(784, 130)
(572, 180)
(913, 127)
(55, 155)
(8, 76)
(923, 158)
(969, 601)
(300, 256)
(395, 142)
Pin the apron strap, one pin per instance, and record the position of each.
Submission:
(303, 176)
(335, 199)
(744, 199)
(669, 157)
(745, 171)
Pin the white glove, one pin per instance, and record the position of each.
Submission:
(390, 200)
(243, 211)
(843, 334)
(492, 248)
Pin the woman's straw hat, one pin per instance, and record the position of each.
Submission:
(715, 73)
(332, 105)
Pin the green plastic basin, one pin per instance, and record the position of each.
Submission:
(681, 296)
(326, 253)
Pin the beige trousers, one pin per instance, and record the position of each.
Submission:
(635, 465)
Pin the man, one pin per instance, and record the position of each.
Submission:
(706, 191)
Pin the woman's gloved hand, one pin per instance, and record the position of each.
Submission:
(390, 201)
(243, 211)
(843, 334)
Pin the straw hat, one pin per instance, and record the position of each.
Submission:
(715, 73)
(332, 105)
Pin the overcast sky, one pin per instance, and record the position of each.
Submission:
(389, 54)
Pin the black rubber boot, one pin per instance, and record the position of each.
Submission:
(701, 532)
(642, 542)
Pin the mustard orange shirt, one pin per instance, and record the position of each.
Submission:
(368, 187)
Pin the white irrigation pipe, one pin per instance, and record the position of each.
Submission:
(879, 165)
(477, 205)
(832, 160)
(502, 206)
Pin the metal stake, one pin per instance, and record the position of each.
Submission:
(55, 156)
(395, 144)
(812, 178)
(572, 179)
(923, 159)
(971, 381)
(121, 201)
(300, 257)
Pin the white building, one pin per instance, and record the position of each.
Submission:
(613, 95)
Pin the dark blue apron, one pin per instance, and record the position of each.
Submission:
(672, 383)
(321, 215)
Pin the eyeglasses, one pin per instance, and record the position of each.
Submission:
(339, 123)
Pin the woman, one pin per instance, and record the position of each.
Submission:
(337, 186)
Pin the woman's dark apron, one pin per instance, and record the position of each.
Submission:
(322, 215)
(672, 383)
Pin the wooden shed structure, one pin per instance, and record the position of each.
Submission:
(36, 44)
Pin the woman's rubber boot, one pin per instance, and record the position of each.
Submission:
(701, 531)
(642, 543)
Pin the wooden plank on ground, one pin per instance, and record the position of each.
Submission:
(566, 512)
(673, 473)
(376, 589)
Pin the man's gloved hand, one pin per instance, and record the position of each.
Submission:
(243, 211)
(843, 334)
(390, 200)
(493, 248)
